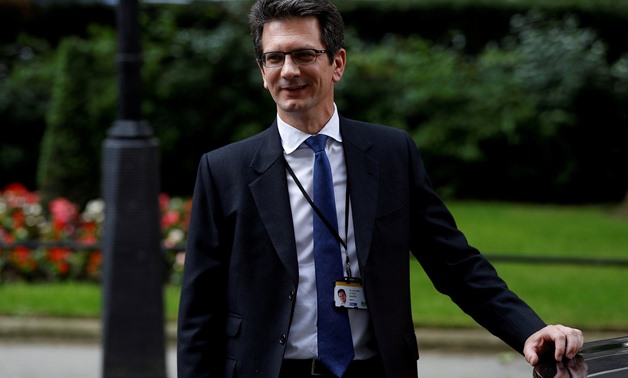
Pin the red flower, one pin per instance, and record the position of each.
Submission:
(17, 195)
(22, 259)
(22, 218)
(94, 263)
(18, 219)
(88, 233)
(59, 258)
(8, 238)
(170, 218)
(16, 189)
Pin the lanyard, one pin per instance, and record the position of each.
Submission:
(325, 221)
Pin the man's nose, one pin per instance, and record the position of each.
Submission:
(289, 68)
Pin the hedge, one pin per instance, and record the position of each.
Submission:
(504, 103)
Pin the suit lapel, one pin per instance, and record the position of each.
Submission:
(362, 180)
(270, 193)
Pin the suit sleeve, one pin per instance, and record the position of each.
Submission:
(459, 270)
(201, 335)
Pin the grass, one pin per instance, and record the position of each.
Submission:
(67, 299)
(543, 230)
(58, 299)
(590, 297)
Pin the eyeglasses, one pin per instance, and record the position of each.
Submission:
(301, 57)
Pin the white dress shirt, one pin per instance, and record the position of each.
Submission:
(302, 340)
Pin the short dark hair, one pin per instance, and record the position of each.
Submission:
(329, 18)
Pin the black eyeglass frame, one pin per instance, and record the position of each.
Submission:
(262, 58)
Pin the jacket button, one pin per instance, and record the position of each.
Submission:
(282, 339)
(291, 296)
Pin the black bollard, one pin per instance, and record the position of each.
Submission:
(133, 339)
(133, 321)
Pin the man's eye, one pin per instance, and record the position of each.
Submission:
(274, 58)
(304, 55)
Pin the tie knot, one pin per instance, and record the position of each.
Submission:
(317, 142)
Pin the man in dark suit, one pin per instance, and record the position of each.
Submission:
(252, 300)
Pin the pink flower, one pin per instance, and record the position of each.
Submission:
(170, 218)
(164, 202)
(63, 211)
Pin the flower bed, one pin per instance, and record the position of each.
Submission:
(62, 242)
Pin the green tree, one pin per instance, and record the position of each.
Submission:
(26, 72)
(203, 88)
(81, 109)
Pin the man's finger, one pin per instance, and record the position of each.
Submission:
(560, 343)
(565, 340)
(573, 340)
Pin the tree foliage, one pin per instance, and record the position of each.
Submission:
(26, 76)
(536, 114)
(82, 99)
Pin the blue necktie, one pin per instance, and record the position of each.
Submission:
(335, 345)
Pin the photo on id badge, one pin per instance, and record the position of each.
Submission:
(349, 294)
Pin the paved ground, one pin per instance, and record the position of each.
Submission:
(70, 348)
(19, 359)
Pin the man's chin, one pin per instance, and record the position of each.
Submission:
(292, 108)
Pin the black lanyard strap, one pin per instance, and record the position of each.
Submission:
(322, 217)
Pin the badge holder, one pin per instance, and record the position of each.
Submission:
(348, 293)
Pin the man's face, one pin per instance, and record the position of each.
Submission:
(300, 92)
(342, 296)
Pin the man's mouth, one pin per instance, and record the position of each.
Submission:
(294, 88)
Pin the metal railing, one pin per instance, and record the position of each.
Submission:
(556, 260)
(492, 257)
(73, 246)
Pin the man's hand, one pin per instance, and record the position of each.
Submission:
(565, 341)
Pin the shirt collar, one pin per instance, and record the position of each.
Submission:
(292, 138)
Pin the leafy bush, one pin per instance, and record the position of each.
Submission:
(515, 122)
(22, 223)
(66, 244)
(575, 135)
(82, 106)
(203, 90)
(537, 115)
(26, 76)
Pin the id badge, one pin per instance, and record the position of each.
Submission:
(349, 293)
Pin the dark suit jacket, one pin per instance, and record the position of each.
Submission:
(240, 278)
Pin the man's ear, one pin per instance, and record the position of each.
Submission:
(261, 68)
(340, 62)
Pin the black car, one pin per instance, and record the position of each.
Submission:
(603, 358)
